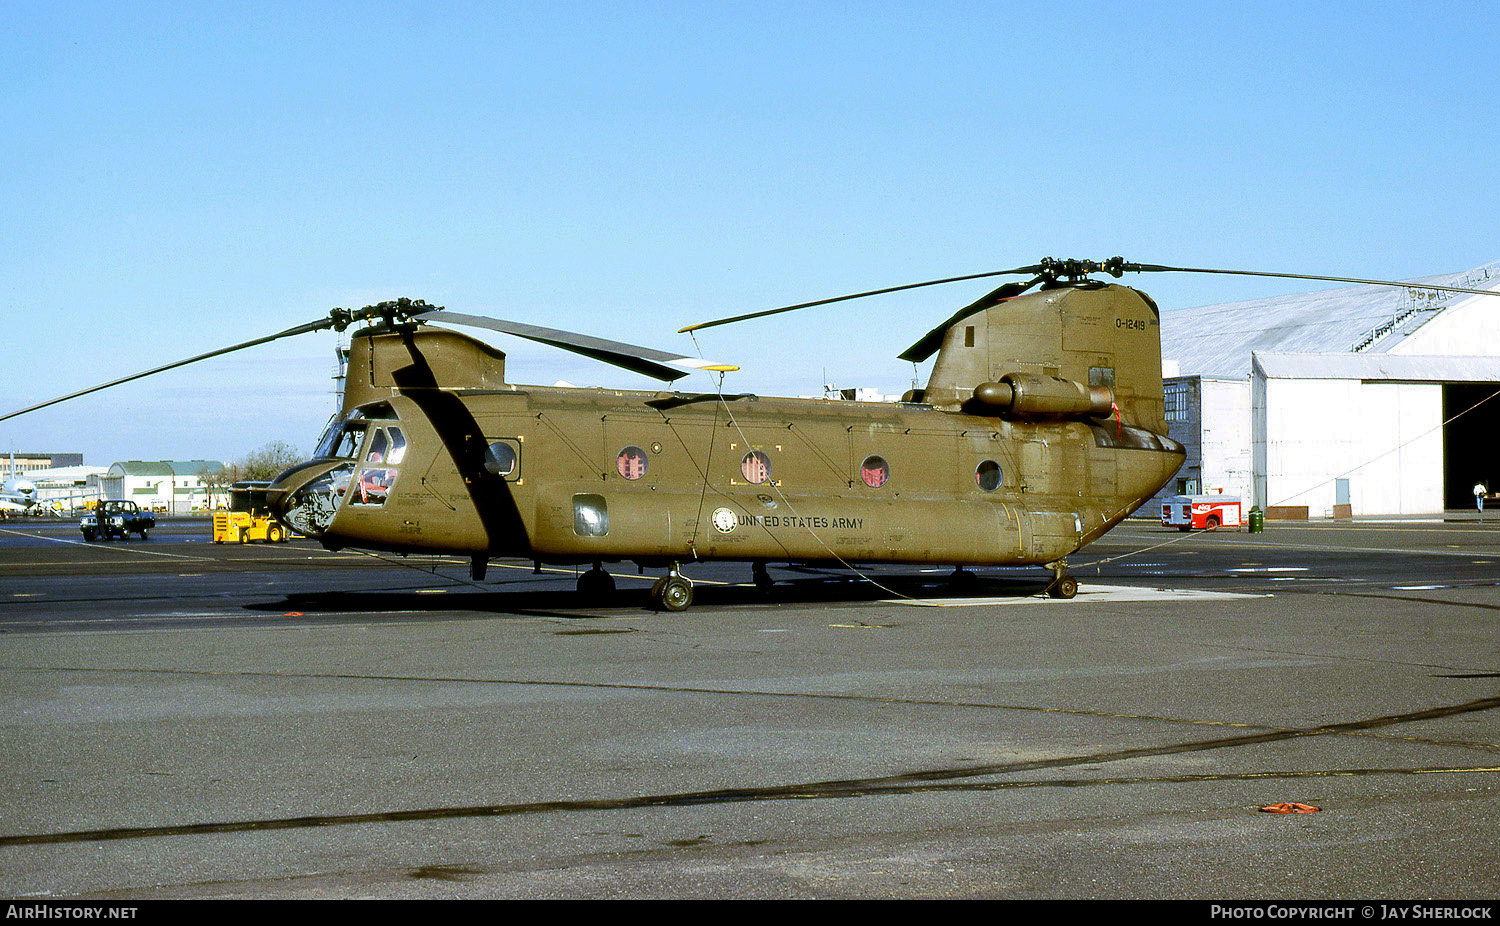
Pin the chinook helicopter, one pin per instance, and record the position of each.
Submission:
(1040, 428)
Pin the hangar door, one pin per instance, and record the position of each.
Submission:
(1469, 454)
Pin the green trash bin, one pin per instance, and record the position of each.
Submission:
(1257, 520)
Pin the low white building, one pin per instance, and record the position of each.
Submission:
(60, 489)
(171, 486)
(1356, 401)
(1207, 415)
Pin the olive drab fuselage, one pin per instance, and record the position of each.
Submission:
(1040, 428)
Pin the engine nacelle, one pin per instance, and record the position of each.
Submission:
(1032, 395)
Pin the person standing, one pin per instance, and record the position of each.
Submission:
(1479, 493)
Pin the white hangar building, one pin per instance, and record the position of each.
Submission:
(1366, 400)
(173, 486)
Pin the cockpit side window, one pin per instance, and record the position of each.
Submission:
(398, 446)
(380, 446)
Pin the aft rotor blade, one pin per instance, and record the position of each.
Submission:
(300, 329)
(873, 292)
(1154, 268)
(654, 363)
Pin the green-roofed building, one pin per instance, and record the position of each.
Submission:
(171, 486)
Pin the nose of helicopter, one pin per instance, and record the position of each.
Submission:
(307, 496)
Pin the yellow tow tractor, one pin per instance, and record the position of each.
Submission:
(248, 517)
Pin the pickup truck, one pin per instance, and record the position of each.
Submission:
(116, 519)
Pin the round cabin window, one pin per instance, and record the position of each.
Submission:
(988, 475)
(756, 467)
(500, 459)
(631, 463)
(874, 471)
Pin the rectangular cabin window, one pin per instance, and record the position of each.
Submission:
(590, 516)
(968, 336)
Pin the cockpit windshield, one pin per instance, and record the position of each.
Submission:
(343, 436)
(341, 439)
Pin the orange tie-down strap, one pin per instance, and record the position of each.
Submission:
(1285, 807)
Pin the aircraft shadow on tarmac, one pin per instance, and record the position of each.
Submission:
(513, 598)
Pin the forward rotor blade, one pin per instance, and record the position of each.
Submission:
(1154, 268)
(873, 292)
(654, 363)
(933, 339)
(300, 329)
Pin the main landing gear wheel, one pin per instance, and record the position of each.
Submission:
(672, 592)
(596, 584)
(962, 580)
(1062, 585)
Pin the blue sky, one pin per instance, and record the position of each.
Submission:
(179, 177)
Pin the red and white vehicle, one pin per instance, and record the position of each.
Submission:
(1201, 512)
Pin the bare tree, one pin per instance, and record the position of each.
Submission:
(216, 484)
(264, 464)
